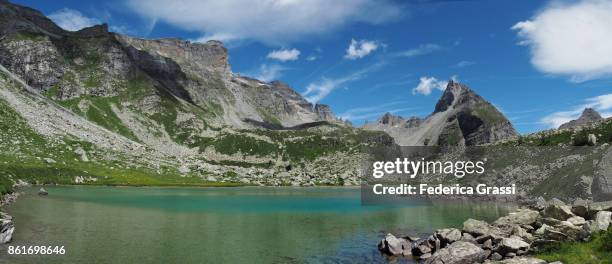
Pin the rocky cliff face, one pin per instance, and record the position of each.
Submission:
(94, 62)
(460, 117)
(588, 116)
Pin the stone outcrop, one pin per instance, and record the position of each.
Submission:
(509, 239)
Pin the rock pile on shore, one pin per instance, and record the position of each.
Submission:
(509, 239)
(6, 228)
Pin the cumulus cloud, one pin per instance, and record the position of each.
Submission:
(602, 103)
(422, 49)
(267, 21)
(72, 20)
(571, 39)
(284, 54)
(428, 84)
(360, 48)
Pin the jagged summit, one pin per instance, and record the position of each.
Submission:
(460, 117)
(588, 116)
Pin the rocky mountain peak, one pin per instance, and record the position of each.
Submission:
(588, 116)
(20, 18)
(590, 113)
(460, 117)
(94, 31)
(324, 112)
(390, 120)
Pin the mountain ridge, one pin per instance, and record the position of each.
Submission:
(460, 117)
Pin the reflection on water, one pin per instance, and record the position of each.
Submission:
(227, 225)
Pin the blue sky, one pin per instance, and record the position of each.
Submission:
(539, 62)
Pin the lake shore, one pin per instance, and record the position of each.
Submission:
(537, 228)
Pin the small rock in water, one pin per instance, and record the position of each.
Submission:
(42, 191)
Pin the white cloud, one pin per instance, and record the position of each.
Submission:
(571, 39)
(316, 91)
(268, 73)
(463, 64)
(428, 84)
(422, 49)
(284, 54)
(267, 21)
(602, 103)
(373, 112)
(72, 20)
(360, 48)
(312, 58)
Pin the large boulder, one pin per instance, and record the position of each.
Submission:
(558, 211)
(395, 246)
(480, 228)
(519, 217)
(601, 206)
(601, 221)
(460, 252)
(6, 228)
(448, 235)
(577, 221)
(572, 231)
(511, 245)
(580, 207)
(522, 260)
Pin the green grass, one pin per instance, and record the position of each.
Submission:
(489, 113)
(597, 251)
(100, 112)
(28, 36)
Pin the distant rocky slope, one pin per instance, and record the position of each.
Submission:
(461, 117)
(93, 106)
(588, 116)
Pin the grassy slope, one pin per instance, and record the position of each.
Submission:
(23, 153)
(597, 251)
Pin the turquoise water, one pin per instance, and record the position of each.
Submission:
(220, 225)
